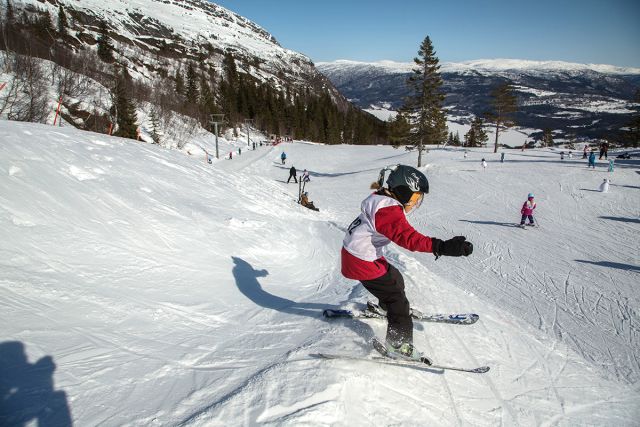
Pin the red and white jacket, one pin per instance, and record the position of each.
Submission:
(381, 222)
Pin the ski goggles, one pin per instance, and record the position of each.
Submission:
(414, 202)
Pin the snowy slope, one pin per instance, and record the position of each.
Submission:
(167, 291)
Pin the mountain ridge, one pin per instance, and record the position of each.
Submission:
(576, 100)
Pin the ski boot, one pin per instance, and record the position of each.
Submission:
(404, 351)
(377, 310)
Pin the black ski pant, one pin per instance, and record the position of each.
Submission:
(389, 289)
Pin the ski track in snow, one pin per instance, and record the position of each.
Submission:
(170, 292)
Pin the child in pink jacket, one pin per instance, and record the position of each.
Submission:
(527, 210)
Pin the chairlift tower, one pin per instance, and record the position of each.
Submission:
(216, 119)
(247, 124)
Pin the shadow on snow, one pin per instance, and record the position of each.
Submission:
(27, 391)
(622, 219)
(611, 264)
(246, 278)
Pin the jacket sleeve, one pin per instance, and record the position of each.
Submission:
(392, 223)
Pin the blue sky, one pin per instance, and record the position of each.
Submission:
(584, 31)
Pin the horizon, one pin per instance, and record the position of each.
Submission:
(583, 32)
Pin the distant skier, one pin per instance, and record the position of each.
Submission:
(562, 155)
(527, 210)
(484, 164)
(611, 165)
(382, 221)
(502, 157)
(584, 152)
(465, 154)
(305, 176)
(604, 187)
(283, 157)
(592, 159)
(292, 174)
(604, 150)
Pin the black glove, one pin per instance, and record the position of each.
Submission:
(458, 246)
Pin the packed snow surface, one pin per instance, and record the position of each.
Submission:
(143, 286)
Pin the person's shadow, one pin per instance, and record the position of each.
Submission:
(247, 282)
(27, 392)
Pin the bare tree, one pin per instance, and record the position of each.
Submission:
(25, 97)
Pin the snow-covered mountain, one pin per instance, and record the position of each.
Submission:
(158, 36)
(590, 100)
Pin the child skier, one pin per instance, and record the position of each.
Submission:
(283, 157)
(527, 210)
(382, 221)
(592, 160)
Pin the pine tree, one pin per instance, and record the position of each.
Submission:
(504, 105)
(123, 108)
(425, 104)
(207, 99)
(9, 14)
(44, 26)
(547, 137)
(63, 24)
(192, 85)
(179, 83)
(105, 48)
(476, 136)
(456, 139)
(399, 129)
(155, 126)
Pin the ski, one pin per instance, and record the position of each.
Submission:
(398, 362)
(373, 311)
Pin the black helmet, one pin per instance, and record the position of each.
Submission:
(404, 180)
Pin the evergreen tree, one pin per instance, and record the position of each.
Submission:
(399, 129)
(504, 105)
(547, 138)
(456, 139)
(192, 85)
(207, 99)
(44, 26)
(179, 83)
(9, 14)
(63, 24)
(155, 126)
(425, 104)
(105, 48)
(123, 108)
(476, 136)
(229, 89)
